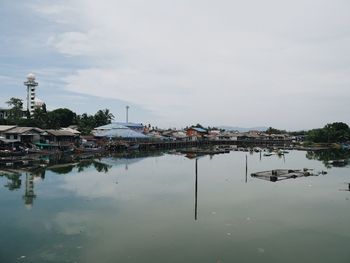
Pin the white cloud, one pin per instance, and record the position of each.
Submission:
(212, 62)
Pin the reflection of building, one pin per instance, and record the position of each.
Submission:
(29, 194)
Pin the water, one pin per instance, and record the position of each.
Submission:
(144, 210)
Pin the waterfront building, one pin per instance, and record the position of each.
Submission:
(22, 134)
(5, 128)
(4, 113)
(195, 133)
(59, 137)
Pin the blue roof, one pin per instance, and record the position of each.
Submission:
(198, 129)
(120, 133)
(130, 124)
(110, 126)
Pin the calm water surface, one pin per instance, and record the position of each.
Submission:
(145, 210)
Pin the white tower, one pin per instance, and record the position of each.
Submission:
(31, 84)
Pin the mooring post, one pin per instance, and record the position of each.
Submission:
(196, 191)
(246, 168)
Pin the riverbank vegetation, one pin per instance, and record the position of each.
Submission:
(337, 132)
(58, 118)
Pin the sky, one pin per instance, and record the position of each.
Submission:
(278, 63)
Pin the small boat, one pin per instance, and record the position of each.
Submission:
(268, 154)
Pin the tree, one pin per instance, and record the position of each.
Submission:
(16, 110)
(61, 117)
(85, 123)
(103, 117)
(40, 118)
(331, 133)
(271, 130)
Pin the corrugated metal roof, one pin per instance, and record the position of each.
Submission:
(198, 129)
(20, 130)
(70, 130)
(60, 133)
(6, 127)
(111, 126)
(120, 133)
(130, 124)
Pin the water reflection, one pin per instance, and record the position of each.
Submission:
(346, 189)
(29, 194)
(66, 164)
(330, 158)
(150, 216)
(14, 182)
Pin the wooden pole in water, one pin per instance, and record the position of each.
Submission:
(196, 191)
(246, 168)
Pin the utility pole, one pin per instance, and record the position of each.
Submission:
(127, 114)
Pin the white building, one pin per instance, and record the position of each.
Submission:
(31, 84)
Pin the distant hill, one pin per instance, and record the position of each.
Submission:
(241, 129)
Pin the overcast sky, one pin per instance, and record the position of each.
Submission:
(248, 63)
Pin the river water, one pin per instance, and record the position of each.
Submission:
(147, 209)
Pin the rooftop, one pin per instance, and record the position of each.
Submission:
(130, 124)
(198, 129)
(120, 133)
(60, 133)
(6, 127)
(111, 126)
(20, 130)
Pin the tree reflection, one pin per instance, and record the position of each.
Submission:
(62, 169)
(326, 156)
(14, 182)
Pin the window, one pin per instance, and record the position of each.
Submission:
(7, 136)
(15, 137)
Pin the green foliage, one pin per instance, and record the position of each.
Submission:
(103, 117)
(55, 119)
(16, 109)
(331, 133)
(60, 118)
(85, 123)
(271, 130)
(40, 118)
